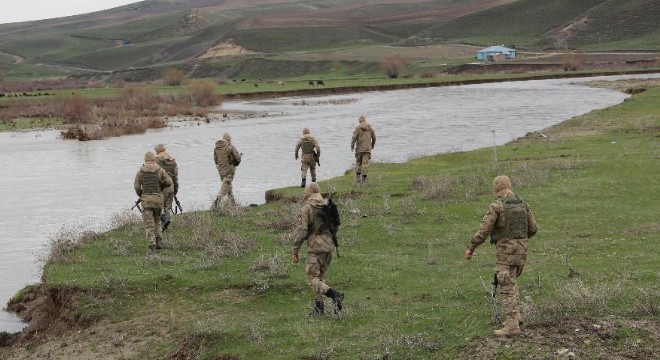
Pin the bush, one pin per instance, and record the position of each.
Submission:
(393, 66)
(202, 93)
(173, 77)
(77, 110)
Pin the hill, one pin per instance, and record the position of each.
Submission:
(155, 34)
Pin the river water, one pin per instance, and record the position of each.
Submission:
(48, 183)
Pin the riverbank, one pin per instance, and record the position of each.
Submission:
(224, 288)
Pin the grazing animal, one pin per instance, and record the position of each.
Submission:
(281, 83)
(311, 83)
(320, 82)
(256, 85)
(242, 80)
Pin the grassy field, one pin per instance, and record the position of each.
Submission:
(223, 287)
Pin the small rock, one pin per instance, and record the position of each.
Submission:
(562, 351)
(571, 355)
(597, 326)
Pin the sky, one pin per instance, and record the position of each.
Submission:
(26, 10)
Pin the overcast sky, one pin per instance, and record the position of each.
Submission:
(25, 10)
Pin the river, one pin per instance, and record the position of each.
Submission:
(48, 183)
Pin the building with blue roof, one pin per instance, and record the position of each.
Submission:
(494, 51)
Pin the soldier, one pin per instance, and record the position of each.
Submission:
(149, 183)
(168, 163)
(364, 139)
(313, 227)
(226, 159)
(311, 152)
(509, 222)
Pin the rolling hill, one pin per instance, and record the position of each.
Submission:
(150, 35)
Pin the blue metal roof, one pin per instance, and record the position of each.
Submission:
(499, 49)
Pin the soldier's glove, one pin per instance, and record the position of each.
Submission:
(468, 254)
(294, 258)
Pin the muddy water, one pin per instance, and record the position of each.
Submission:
(48, 183)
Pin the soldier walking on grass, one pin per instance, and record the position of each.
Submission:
(149, 183)
(314, 227)
(364, 139)
(226, 159)
(311, 152)
(168, 163)
(509, 222)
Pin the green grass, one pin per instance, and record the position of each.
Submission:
(224, 285)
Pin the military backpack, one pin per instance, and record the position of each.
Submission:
(515, 219)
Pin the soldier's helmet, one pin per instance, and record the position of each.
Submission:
(149, 156)
(226, 137)
(362, 119)
(305, 131)
(501, 183)
(159, 148)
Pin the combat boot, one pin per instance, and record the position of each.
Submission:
(152, 248)
(337, 298)
(159, 242)
(511, 328)
(303, 182)
(318, 308)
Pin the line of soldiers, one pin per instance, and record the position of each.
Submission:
(509, 221)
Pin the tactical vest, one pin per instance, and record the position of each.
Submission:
(167, 165)
(150, 182)
(307, 146)
(515, 219)
(222, 153)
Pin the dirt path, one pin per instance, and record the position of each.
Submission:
(17, 58)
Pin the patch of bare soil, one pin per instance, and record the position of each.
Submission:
(571, 338)
(225, 49)
(49, 312)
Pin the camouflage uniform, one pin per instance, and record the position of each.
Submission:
(149, 183)
(308, 145)
(312, 228)
(168, 163)
(510, 237)
(364, 139)
(226, 159)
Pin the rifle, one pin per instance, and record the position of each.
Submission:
(333, 222)
(494, 283)
(137, 204)
(316, 158)
(178, 205)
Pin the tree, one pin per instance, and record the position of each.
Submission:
(393, 66)
(173, 77)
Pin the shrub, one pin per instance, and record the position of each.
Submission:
(202, 93)
(76, 110)
(173, 77)
(393, 66)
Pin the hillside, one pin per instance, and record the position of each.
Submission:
(161, 33)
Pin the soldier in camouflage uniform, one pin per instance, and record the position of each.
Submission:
(364, 139)
(226, 159)
(149, 183)
(308, 145)
(314, 228)
(509, 222)
(168, 163)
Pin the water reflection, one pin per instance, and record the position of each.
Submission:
(47, 182)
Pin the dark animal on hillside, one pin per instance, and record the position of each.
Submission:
(242, 80)
(311, 83)
(256, 85)
(320, 82)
